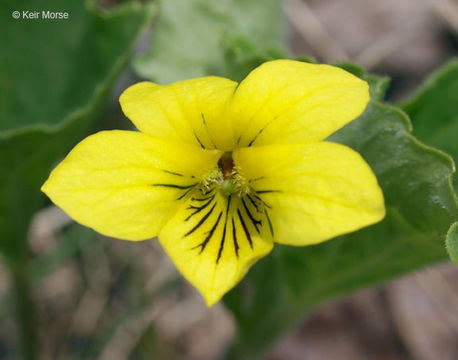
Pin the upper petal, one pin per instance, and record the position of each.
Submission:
(190, 111)
(214, 239)
(125, 184)
(314, 191)
(287, 101)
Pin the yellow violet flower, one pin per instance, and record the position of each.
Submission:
(220, 171)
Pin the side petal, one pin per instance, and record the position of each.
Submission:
(190, 111)
(125, 184)
(314, 191)
(213, 243)
(287, 101)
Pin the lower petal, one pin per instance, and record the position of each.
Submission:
(314, 191)
(213, 241)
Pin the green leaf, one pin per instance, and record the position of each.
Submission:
(451, 243)
(378, 84)
(434, 110)
(241, 56)
(420, 204)
(190, 36)
(54, 77)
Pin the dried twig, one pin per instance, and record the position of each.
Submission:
(385, 46)
(446, 9)
(314, 33)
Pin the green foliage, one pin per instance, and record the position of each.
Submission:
(54, 76)
(420, 207)
(451, 242)
(434, 114)
(241, 56)
(434, 110)
(53, 80)
(190, 36)
(378, 84)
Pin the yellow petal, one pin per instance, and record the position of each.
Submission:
(190, 111)
(287, 101)
(213, 241)
(314, 191)
(125, 184)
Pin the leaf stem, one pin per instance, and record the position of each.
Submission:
(24, 307)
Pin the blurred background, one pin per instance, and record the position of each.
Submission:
(105, 299)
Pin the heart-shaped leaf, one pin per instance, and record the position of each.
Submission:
(434, 110)
(53, 80)
(190, 36)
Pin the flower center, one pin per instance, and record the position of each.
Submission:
(227, 177)
(226, 164)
